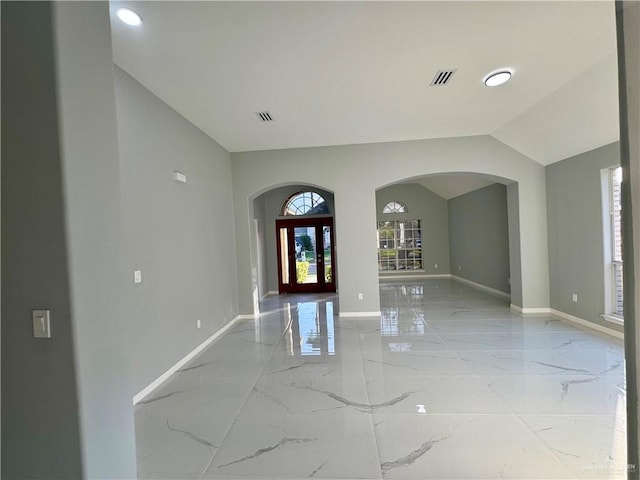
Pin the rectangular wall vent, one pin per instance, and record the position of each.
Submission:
(442, 77)
(264, 116)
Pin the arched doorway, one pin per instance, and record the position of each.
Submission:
(305, 239)
(293, 226)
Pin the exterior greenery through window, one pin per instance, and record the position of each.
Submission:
(305, 203)
(399, 245)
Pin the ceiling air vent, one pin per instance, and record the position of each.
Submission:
(265, 116)
(442, 77)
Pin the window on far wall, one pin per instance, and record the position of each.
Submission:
(612, 228)
(399, 245)
(395, 207)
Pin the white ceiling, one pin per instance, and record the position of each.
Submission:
(451, 186)
(335, 73)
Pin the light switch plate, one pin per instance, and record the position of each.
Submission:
(41, 323)
(137, 276)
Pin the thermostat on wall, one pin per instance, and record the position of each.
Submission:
(179, 177)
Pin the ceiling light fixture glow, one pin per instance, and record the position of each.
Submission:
(497, 78)
(129, 17)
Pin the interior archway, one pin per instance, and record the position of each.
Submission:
(355, 172)
(267, 209)
(465, 226)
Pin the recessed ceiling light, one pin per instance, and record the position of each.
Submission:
(497, 78)
(129, 17)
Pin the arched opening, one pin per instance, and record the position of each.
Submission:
(294, 239)
(458, 225)
(355, 211)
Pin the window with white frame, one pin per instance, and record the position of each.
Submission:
(612, 229)
(395, 207)
(399, 245)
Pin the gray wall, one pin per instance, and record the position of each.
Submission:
(513, 212)
(269, 205)
(80, 212)
(479, 235)
(431, 210)
(91, 180)
(180, 235)
(66, 401)
(576, 258)
(354, 173)
(39, 394)
(261, 242)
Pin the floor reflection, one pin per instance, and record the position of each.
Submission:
(447, 383)
(311, 329)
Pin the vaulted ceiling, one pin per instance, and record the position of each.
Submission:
(334, 73)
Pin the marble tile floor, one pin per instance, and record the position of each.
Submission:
(448, 384)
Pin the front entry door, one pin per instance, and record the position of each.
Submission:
(305, 255)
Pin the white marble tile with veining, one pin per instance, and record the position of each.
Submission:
(225, 396)
(285, 364)
(604, 362)
(592, 447)
(556, 394)
(514, 340)
(434, 394)
(334, 445)
(178, 444)
(463, 446)
(469, 326)
(402, 343)
(421, 362)
(524, 362)
(448, 383)
(287, 394)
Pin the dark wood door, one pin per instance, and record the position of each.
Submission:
(306, 260)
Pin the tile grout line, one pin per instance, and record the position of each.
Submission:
(519, 417)
(492, 391)
(258, 377)
(366, 387)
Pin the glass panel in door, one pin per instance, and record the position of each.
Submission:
(284, 255)
(306, 260)
(327, 254)
(306, 246)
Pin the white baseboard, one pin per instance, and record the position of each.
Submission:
(479, 286)
(182, 362)
(417, 276)
(616, 319)
(531, 311)
(586, 323)
(360, 314)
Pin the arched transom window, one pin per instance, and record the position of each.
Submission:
(395, 207)
(305, 203)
